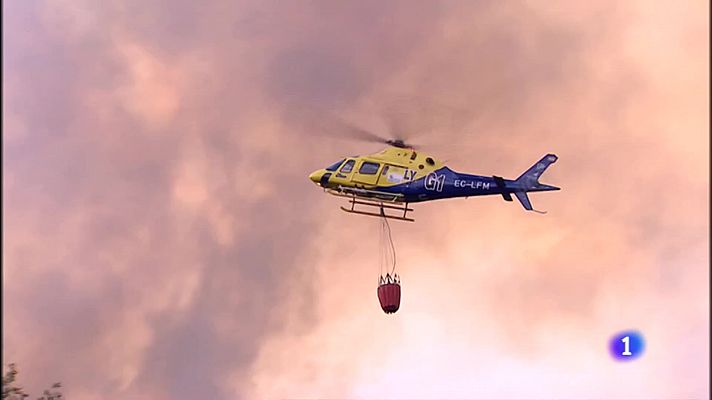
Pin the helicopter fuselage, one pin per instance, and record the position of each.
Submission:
(406, 176)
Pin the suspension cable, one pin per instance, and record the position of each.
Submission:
(381, 253)
(390, 241)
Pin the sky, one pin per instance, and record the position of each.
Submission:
(161, 239)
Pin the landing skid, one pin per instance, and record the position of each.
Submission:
(381, 207)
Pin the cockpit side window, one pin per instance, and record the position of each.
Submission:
(335, 166)
(348, 166)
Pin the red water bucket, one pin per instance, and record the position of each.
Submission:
(389, 294)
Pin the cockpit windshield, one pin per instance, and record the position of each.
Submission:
(335, 166)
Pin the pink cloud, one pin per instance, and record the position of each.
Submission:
(162, 239)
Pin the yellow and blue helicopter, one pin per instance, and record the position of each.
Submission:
(399, 175)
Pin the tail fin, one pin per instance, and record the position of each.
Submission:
(530, 178)
(529, 181)
(524, 199)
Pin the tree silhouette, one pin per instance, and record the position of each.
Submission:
(11, 391)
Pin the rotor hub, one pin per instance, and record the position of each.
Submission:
(397, 143)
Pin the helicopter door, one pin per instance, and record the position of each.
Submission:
(393, 175)
(367, 173)
(343, 175)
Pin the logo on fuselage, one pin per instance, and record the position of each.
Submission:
(434, 182)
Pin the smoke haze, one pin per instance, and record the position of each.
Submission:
(162, 240)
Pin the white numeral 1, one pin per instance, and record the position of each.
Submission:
(626, 352)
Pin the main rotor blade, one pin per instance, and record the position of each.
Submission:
(410, 116)
(325, 123)
(339, 126)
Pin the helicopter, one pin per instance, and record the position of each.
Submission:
(398, 176)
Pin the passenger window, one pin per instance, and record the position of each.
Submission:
(369, 168)
(347, 167)
(395, 174)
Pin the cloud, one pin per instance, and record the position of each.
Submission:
(162, 240)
